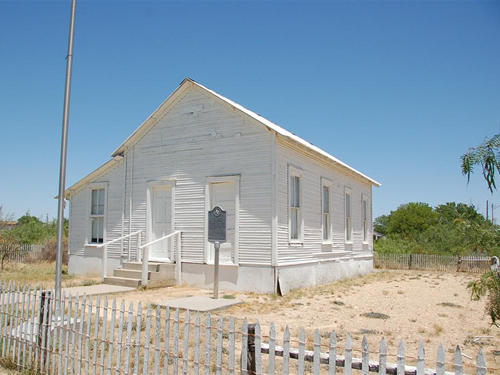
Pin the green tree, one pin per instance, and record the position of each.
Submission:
(380, 224)
(450, 228)
(411, 219)
(488, 284)
(487, 156)
(32, 230)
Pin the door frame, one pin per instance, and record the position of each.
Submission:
(149, 212)
(234, 179)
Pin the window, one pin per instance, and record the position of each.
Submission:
(325, 212)
(348, 222)
(364, 218)
(97, 216)
(295, 214)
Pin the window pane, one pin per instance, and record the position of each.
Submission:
(326, 199)
(365, 230)
(97, 207)
(364, 210)
(295, 191)
(348, 229)
(326, 226)
(294, 232)
(348, 205)
(97, 230)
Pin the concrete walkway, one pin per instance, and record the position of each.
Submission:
(93, 290)
(200, 303)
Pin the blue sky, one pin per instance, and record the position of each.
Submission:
(398, 90)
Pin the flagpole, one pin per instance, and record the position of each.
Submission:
(64, 144)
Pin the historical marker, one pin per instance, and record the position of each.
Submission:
(216, 235)
(217, 225)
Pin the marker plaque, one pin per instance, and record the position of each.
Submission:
(217, 225)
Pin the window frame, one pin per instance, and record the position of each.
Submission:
(348, 218)
(92, 187)
(328, 184)
(365, 235)
(295, 172)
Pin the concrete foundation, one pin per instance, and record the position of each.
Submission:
(304, 275)
(258, 279)
(251, 278)
(90, 265)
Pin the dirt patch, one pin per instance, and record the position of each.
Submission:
(421, 306)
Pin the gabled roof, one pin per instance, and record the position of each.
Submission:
(188, 82)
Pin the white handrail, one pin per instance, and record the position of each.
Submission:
(118, 239)
(105, 252)
(159, 239)
(145, 256)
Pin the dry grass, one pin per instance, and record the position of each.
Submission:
(42, 274)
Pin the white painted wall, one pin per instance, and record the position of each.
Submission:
(199, 136)
(313, 168)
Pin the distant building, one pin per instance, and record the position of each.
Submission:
(6, 225)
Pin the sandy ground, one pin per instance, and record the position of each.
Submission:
(420, 306)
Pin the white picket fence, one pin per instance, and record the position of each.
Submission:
(435, 262)
(94, 335)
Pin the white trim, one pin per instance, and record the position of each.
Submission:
(150, 186)
(92, 176)
(294, 171)
(324, 181)
(348, 191)
(88, 234)
(274, 197)
(363, 234)
(233, 179)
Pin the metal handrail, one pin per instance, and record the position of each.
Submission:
(105, 251)
(118, 239)
(159, 239)
(145, 257)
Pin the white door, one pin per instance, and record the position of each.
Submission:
(161, 222)
(223, 194)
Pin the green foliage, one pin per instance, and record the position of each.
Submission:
(31, 230)
(380, 224)
(451, 228)
(488, 284)
(486, 155)
(411, 219)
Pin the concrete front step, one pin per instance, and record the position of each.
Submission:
(122, 281)
(128, 273)
(137, 266)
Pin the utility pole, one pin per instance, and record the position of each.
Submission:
(64, 144)
(487, 205)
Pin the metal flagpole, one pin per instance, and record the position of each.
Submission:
(64, 144)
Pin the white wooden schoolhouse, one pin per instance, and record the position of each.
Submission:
(296, 215)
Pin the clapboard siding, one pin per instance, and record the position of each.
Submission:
(202, 137)
(313, 169)
(114, 195)
(198, 137)
(78, 224)
(200, 134)
(80, 206)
